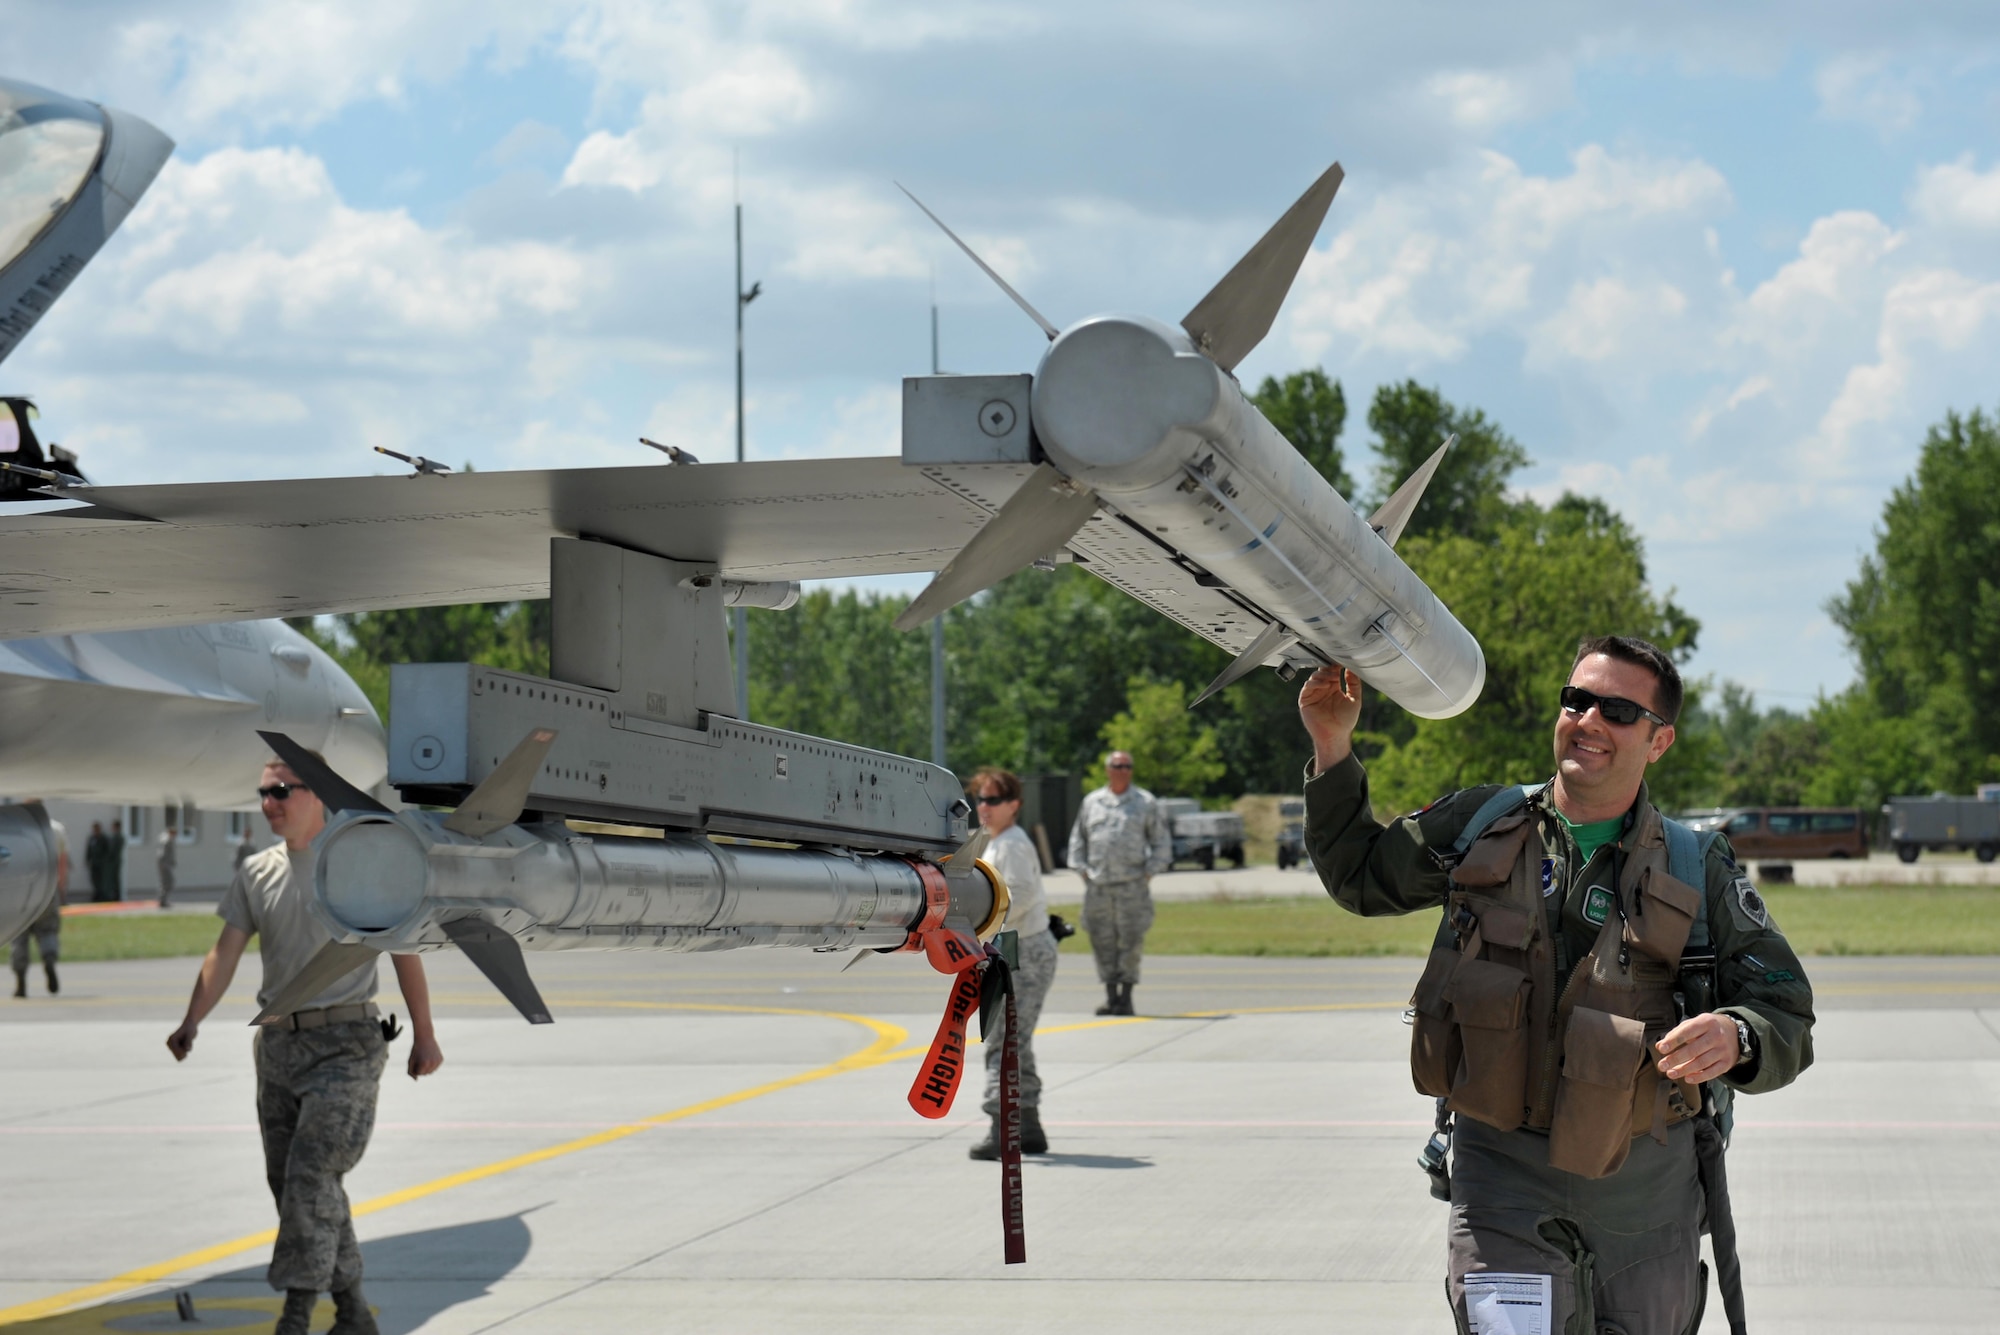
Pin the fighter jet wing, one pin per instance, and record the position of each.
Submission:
(140, 556)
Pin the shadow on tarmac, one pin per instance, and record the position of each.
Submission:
(1089, 1161)
(427, 1272)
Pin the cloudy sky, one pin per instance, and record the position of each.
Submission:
(1719, 268)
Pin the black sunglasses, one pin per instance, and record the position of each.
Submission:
(1126, 764)
(278, 792)
(1615, 709)
(996, 801)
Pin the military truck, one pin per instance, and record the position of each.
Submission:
(1291, 832)
(1937, 822)
(1203, 836)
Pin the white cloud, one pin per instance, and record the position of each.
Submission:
(1958, 195)
(1865, 89)
(1424, 271)
(1485, 100)
(250, 251)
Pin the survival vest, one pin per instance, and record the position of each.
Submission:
(1493, 1035)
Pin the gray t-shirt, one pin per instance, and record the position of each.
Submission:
(268, 899)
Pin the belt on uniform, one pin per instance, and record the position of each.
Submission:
(326, 1015)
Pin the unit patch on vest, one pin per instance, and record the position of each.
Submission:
(1548, 876)
(1597, 905)
(1748, 903)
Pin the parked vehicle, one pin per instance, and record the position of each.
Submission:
(1919, 823)
(1203, 836)
(1291, 832)
(1788, 832)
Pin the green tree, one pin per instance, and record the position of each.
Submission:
(1546, 580)
(1172, 753)
(833, 666)
(1310, 411)
(1866, 756)
(1923, 620)
(1038, 663)
(513, 636)
(1763, 757)
(1469, 493)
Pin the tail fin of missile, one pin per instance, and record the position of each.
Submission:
(1394, 515)
(1238, 311)
(984, 267)
(1037, 520)
(334, 792)
(498, 956)
(497, 802)
(1274, 638)
(336, 959)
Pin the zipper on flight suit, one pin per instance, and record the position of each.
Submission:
(1542, 1112)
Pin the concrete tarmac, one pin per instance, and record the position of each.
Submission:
(721, 1144)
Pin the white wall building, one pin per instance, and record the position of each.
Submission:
(205, 844)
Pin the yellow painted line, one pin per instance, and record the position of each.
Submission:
(887, 1039)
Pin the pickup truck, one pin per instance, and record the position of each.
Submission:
(1203, 836)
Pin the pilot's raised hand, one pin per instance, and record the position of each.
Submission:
(1330, 706)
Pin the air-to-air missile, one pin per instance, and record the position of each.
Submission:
(1149, 423)
(760, 837)
(28, 858)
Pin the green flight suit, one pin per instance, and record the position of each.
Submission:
(1511, 1212)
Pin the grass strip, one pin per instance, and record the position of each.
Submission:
(137, 936)
(1817, 920)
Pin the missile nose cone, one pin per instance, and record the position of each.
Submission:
(374, 874)
(1114, 393)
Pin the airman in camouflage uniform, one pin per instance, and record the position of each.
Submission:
(319, 1069)
(1119, 843)
(1619, 1249)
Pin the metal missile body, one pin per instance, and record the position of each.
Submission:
(392, 881)
(1146, 423)
(1131, 409)
(28, 861)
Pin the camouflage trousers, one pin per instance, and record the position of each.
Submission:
(1623, 1251)
(316, 1093)
(1116, 914)
(1031, 988)
(49, 939)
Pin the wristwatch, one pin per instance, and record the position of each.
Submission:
(1746, 1044)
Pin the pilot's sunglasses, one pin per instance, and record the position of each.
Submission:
(1119, 764)
(278, 792)
(994, 801)
(1615, 709)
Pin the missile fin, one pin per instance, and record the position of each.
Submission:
(1238, 311)
(335, 960)
(1272, 639)
(498, 956)
(984, 267)
(1038, 519)
(334, 792)
(496, 803)
(1394, 515)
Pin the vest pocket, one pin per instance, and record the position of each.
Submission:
(1490, 1003)
(1434, 1040)
(1592, 1129)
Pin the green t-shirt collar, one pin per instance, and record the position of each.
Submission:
(1592, 836)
